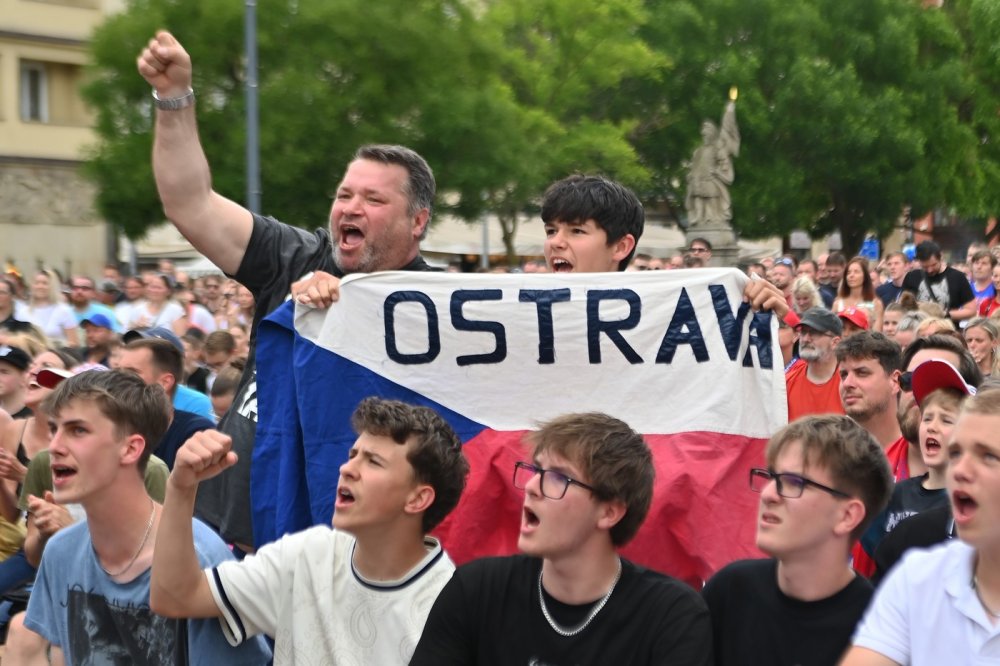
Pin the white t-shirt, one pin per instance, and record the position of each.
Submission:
(201, 318)
(304, 592)
(926, 612)
(143, 318)
(54, 320)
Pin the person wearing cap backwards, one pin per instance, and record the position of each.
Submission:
(14, 381)
(99, 332)
(826, 479)
(939, 391)
(812, 383)
(933, 525)
(855, 320)
(942, 605)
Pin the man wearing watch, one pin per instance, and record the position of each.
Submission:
(570, 598)
(379, 215)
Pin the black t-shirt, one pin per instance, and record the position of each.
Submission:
(950, 288)
(198, 379)
(15, 325)
(489, 613)
(755, 623)
(183, 425)
(909, 498)
(276, 256)
(923, 530)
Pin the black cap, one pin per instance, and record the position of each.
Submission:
(822, 320)
(15, 356)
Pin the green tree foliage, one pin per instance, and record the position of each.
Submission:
(848, 109)
(496, 99)
(556, 61)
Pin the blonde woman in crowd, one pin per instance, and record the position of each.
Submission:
(935, 326)
(982, 337)
(857, 291)
(48, 311)
(805, 295)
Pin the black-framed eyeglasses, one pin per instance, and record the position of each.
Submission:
(552, 483)
(906, 381)
(789, 485)
(698, 250)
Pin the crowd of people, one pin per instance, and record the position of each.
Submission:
(138, 536)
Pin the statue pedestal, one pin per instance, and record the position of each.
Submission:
(725, 251)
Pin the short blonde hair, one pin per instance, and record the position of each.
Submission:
(940, 323)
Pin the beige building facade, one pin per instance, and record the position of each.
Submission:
(47, 214)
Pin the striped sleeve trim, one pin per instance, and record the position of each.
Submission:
(230, 620)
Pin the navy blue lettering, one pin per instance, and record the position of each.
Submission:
(433, 332)
(731, 327)
(596, 326)
(458, 320)
(683, 330)
(543, 300)
(760, 337)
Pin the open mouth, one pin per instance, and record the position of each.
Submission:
(530, 518)
(963, 506)
(344, 497)
(61, 473)
(351, 235)
(561, 266)
(932, 446)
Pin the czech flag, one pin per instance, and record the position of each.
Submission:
(675, 354)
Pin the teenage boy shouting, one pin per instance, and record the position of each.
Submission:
(355, 594)
(570, 598)
(91, 594)
(942, 605)
(593, 224)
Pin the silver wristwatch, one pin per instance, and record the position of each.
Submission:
(174, 103)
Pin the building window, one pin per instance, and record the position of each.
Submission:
(34, 93)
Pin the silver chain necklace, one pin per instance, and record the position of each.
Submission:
(590, 616)
(145, 537)
(975, 587)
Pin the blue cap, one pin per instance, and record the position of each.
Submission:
(159, 332)
(98, 320)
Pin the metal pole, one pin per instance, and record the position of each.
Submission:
(484, 258)
(253, 120)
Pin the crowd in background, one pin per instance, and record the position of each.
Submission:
(85, 318)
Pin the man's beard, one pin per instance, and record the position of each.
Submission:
(810, 353)
(866, 412)
(369, 261)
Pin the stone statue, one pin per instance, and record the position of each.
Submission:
(708, 202)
